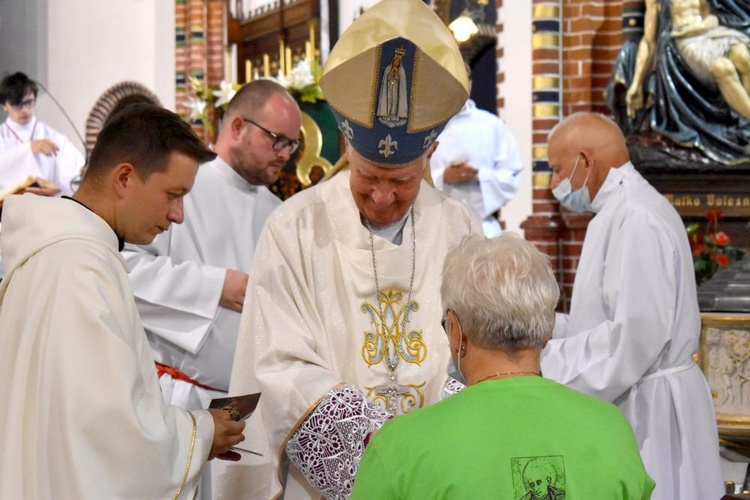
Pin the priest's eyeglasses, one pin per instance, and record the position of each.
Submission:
(279, 141)
(28, 103)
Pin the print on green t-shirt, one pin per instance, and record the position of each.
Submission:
(537, 478)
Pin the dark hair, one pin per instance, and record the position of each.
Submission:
(15, 87)
(252, 97)
(145, 136)
(127, 101)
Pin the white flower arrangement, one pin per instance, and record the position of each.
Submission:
(302, 83)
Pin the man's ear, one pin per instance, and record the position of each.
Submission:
(236, 125)
(588, 161)
(123, 178)
(432, 149)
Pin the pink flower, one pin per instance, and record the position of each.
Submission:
(719, 238)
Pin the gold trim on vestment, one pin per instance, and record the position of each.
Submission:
(189, 458)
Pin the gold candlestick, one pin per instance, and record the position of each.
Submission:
(312, 37)
(248, 71)
(266, 65)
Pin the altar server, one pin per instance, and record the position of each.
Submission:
(634, 322)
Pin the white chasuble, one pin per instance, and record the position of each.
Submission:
(313, 321)
(82, 414)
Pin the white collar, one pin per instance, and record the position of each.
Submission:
(21, 129)
(611, 184)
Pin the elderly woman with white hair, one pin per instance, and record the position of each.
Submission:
(510, 433)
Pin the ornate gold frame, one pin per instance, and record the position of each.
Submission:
(310, 154)
(730, 426)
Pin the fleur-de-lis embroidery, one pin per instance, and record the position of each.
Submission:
(388, 145)
(429, 139)
(346, 129)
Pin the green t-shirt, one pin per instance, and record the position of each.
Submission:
(517, 438)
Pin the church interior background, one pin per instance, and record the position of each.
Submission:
(534, 62)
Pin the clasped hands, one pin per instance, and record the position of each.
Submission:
(459, 171)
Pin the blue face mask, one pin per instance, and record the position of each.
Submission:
(577, 201)
(455, 372)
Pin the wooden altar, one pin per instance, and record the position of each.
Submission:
(273, 37)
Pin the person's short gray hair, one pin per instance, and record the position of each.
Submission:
(503, 291)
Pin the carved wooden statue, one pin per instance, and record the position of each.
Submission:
(688, 79)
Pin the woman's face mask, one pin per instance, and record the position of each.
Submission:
(577, 201)
(454, 367)
(455, 372)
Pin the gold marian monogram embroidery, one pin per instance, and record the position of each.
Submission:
(390, 342)
(411, 397)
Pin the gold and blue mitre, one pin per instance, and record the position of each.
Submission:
(393, 80)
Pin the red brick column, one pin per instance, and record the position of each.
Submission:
(499, 54)
(575, 44)
(544, 225)
(592, 39)
(181, 56)
(200, 32)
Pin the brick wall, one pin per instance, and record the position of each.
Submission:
(499, 53)
(575, 44)
(199, 52)
(591, 41)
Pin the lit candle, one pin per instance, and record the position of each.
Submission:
(248, 71)
(312, 37)
(281, 57)
(288, 61)
(266, 65)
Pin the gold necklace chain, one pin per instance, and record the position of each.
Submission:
(392, 366)
(498, 374)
